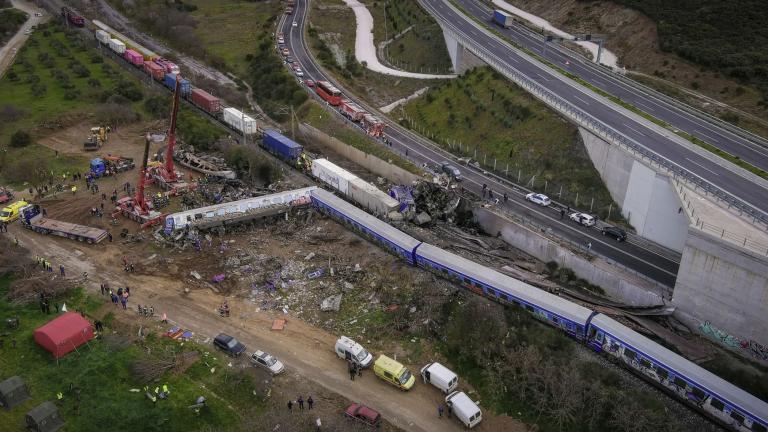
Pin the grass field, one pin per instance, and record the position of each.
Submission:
(102, 372)
(71, 81)
(231, 28)
(422, 48)
(495, 120)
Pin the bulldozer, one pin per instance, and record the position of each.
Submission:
(97, 138)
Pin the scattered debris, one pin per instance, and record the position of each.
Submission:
(332, 303)
(195, 274)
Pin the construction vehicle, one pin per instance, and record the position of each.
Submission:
(110, 165)
(137, 207)
(97, 138)
(166, 175)
(32, 219)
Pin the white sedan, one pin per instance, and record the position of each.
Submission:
(295, 24)
(268, 362)
(539, 199)
(582, 219)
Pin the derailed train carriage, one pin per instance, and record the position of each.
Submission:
(729, 405)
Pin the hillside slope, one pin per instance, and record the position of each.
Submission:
(717, 63)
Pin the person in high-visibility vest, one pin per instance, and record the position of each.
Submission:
(74, 190)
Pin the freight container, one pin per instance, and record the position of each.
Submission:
(147, 54)
(169, 66)
(503, 19)
(332, 174)
(207, 102)
(352, 111)
(154, 70)
(239, 121)
(133, 57)
(281, 146)
(103, 36)
(170, 82)
(371, 198)
(116, 46)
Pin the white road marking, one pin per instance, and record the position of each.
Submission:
(647, 108)
(630, 127)
(581, 99)
(702, 166)
(698, 132)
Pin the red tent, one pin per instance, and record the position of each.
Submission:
(64, 334)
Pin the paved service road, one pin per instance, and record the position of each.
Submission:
(661, 143)
(9, 50)
(658, 267)
(728, 141)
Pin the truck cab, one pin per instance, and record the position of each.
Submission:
(393, 372)
(98, 167)
(28, 212)
(11, 213)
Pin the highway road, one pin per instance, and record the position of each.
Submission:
(658, 267)
(660, 108)
(638, 130)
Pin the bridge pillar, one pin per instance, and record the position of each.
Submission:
(462, 59)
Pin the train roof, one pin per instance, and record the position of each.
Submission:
(361, 217)
(700, 376)
(125, 39)
(521, 290)
(283, 139)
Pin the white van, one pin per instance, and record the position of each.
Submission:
(348, 349)
(440, 377)
(464, 409)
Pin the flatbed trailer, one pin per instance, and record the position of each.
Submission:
(32, 219)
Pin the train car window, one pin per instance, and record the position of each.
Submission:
(555, 320)
(717, 404)
(645, 363)
(757, 427)
(738, 417)
(529, 308)
(628, 353)
(516, 303)
(467, 281)
(592, 332)
(679, 382)
(698, 393)
(663, 374)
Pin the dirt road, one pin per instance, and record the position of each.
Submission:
(9, 50)
(306, 350)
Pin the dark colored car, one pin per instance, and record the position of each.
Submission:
(228, 344)
(617, 233)
(363, 414)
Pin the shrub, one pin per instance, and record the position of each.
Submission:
(20, 139)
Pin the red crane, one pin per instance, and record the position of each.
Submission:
(139, 200)
(169, 174)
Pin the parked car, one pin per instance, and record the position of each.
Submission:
(539, 199)
(619, 234)
(583, 219)
(363, 414)
(268, 362)
(451, 171)
(228, 344)
(286, 53)
(295, 24)
(309, 83)
(299, 73)
(440, 377)
(289, 60)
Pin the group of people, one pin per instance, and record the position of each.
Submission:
(46, 265)
(121, 297)
(354, 370)
(300, 403)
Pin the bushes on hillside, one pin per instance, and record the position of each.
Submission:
(272, 86)
(20, 139)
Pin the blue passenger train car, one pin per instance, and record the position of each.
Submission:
(392, 239)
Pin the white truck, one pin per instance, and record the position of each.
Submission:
(350, 350)
(464, 409)
(440, 376)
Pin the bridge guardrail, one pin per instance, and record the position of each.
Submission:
(604, 131)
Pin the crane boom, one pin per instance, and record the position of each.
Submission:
(170, 169)
(139, 201)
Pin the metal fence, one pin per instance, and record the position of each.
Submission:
(602, 130)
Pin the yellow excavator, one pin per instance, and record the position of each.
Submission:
(97, 138)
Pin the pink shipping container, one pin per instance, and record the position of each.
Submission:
(205, 101)
(155, 70)
(133, 57)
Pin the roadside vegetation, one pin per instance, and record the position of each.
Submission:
(420, 47)
(482, 116)
(313, 114)
(55, 82)
(10, 21)
(275, 89)
(332, 40)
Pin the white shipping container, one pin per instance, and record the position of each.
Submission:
(103, 36)
(239, 121)
(371, 198)
(332, 174)
(117, 46)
